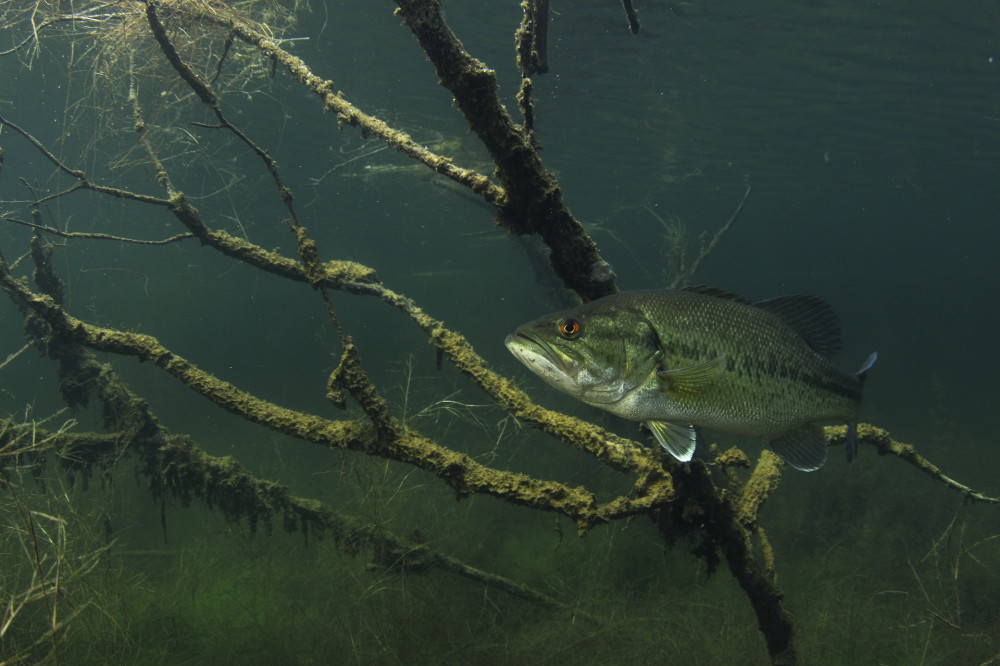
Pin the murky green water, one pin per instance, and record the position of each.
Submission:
(869, 134)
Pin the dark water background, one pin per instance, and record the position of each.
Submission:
(869, 133)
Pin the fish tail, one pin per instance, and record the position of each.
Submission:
(851, 440)
(866, 367)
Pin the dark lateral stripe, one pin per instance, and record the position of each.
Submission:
(829, 380)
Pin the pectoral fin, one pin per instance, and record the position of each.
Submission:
(693, 379)
(678, 440)
(804, 449)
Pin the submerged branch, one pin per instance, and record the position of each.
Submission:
(886, 445)
(97, 236)
(349, 114)
(534, 199)
(181, 468)
(532, 38)
(632, 16)
(460, 471)
(175, 465)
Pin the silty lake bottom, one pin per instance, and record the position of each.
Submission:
(229, 531)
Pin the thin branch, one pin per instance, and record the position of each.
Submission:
(14, 355)
(82, 181)
(97, 236)
(349, 114)
(886, 445)
(686, 272)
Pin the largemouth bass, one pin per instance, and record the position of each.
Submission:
(700, 357)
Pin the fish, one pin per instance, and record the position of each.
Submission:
(678, 360)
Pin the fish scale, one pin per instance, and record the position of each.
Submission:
(680, 359)
(764, 356)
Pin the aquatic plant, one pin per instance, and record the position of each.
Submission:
(37, 605)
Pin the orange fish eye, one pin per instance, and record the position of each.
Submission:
(569, 328)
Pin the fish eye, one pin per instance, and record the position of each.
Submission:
(569, 328)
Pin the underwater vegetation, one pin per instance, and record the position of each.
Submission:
(205, 244)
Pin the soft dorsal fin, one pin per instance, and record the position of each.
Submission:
(811, 317)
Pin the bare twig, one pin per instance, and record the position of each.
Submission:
(685, 272)
(14, 355)
(97, 236)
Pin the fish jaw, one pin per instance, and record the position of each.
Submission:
(563, 371)
(541, 360)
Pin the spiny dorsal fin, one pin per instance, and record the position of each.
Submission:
(809, 316)
(706, 290)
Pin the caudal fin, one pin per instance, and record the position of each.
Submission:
(866, 367)
(851, 440)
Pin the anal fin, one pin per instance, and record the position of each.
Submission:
(804, 449)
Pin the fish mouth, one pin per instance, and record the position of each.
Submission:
(563, 371)
(520, 344)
